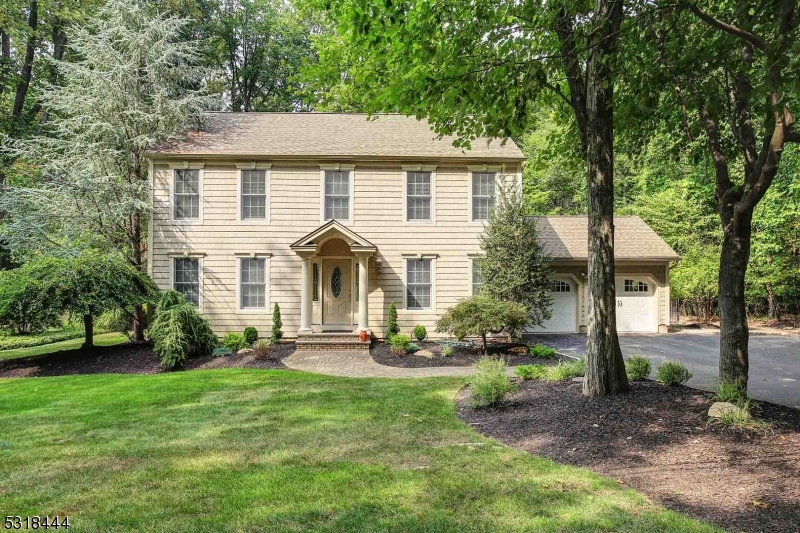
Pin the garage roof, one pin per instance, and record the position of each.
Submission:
(328, 135)
(566, 238)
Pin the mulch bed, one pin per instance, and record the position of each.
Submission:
(657, 440)
(381, 353)
(127, 359)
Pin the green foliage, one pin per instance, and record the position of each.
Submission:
(566, 370)
(262, 349)
(400, 344)
(447, 351)
(392, 328)
(234, 341)
(478, 316)
(14, 342)
(531, 371)
(222, 351)
(637, 367)
(541, 350)
(116, 320)
(178, 331)
(26, 306)
(672, 373)
(727, 391)
(250, 334)
(277, 324)
(514, 266)
(490, 386)
(413, 347)
(740, 417)
(420, 333)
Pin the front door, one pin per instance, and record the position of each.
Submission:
(337, 297)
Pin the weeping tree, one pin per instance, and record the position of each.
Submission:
(130, 84)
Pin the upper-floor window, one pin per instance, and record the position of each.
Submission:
(483, 193)
(254, 195)
(337, 195)
(187, 194)
(418, 283)
(253, 279)
(186, 279)
(418, 196)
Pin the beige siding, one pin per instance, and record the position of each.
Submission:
(295, 210)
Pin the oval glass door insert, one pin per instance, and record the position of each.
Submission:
(336, 282)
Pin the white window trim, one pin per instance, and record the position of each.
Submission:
(266, 256)
(472, 258)
(411, 256)
(419, 168)
(188, 255)
(336, 166)
(185, 165)
(472, 170)
(267, 168)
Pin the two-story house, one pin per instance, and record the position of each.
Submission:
(336, 216)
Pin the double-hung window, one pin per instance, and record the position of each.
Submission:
(254, 195)
(418, 196)
(483, 193)
(253, 280)
(337, 195)
(418, 283)
(477, 277)
(186, 279)
(187, 195)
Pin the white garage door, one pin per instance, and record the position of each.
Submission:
(636, 310)
(563, 317)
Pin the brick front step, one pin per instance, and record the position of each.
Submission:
(331, 341)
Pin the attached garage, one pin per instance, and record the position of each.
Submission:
(642, 260)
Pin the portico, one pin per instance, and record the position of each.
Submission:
(334, 290)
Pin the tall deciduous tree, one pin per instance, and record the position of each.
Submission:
(131, 84)
(481, 68)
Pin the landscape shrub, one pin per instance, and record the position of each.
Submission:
(25, 305)
(672, 373)
(392, 328)
(447, 351)
(566, 370)
(250, 334)
(541, 350)
(400, 344)
(234, 341)
(490, 386)
(729, 392)
(14, 342)
(420, 333)
(262, 349)
(178, 331)
(116, 320)
(413, 347)
(221, 351)
(277, 324)
(740, 417)
(479, 316)
(637, 367)
(531, 371)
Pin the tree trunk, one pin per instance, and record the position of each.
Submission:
(88, 328)
(136, 253)
(27, 65)
(485, 347)
(734, 333)
(605, 368)
(774, 309)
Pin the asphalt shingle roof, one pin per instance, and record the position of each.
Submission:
(567, 238)
(328, 135)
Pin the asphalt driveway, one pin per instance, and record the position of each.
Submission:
(774, 359)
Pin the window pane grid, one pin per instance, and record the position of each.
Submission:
(561, 286)
(337, 194)
(187, 279)
(418, 284)
(483, 191)
(477, 278)
(418, 195)
(253, 283)
(315, 283)
(254, 194)
(187, 194)
(632, 285)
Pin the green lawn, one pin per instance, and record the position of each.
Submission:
(104, 339)
(248, 451)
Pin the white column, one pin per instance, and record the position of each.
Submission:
(305, 297)
(363, 294)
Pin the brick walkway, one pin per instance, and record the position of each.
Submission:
(359, 364)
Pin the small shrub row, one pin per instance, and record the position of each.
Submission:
(541, 350)
(531, 371)
(566, 370)
(672, 373)
(637, 367)
(14, 342)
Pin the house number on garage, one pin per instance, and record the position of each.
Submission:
(619, 303)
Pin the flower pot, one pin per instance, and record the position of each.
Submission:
(363, 336)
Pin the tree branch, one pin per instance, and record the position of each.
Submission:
(755, 40)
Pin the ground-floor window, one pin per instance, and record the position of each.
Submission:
(418, 283)
(477, 277)
(186, 279)
(253, 280)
